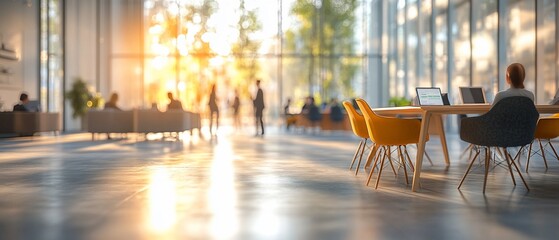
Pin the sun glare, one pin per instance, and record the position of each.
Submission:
(162, 201)
(185, 50)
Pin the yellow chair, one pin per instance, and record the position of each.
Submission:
(547, 129)
(359, 128)
(387, 132)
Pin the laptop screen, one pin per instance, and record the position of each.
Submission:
(429, 96)
(33, 106)
(472, 95)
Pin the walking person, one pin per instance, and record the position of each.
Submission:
(236, 116)
(213, 109)
(258, 103)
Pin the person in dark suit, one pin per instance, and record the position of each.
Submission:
(258, 103)
(213, 109)
(20, 107)
(236, 114)
(173, 104)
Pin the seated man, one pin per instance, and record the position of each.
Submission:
(20, 107)
(314, 114)
(173, 104)
(336, 114)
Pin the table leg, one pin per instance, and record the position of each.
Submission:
(442, 136)
(420, 150)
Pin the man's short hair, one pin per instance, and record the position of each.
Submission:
(23, 97)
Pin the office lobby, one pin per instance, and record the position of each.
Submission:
(98, 166)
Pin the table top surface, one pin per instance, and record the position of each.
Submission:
(454, 109)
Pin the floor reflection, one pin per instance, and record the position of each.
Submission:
(162, 201)
(222, 196)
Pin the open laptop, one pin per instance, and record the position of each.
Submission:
(33, 106)
(429, 96)
(472, 95)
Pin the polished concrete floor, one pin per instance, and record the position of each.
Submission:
(236, 186)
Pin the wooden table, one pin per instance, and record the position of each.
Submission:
(427, 113)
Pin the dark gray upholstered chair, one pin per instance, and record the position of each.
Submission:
(511, 122)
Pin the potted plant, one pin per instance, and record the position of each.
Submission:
(399, 101)
(78, 96)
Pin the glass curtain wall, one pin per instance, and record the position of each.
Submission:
(459, 70)
(298, 48)
(484, 46)
(425, 51)
(52, 55)
(546, 61)
(520, 39)
(440, 14)
(465, 43)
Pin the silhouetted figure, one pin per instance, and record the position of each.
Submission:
(213, 110)
(314, 114)
(336, 114)
(307, 105)
(173, 104)
(111, 104)
(258, 103)
(20, 107)
(236, 115)
(290, 119)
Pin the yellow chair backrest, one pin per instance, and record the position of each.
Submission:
(389, 130)
(357, 120)
(547, 128)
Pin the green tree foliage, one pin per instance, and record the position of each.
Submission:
(325, 32)
(199, 15)
(246, 48)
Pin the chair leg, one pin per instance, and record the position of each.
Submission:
(375, 164)
(409, 159)
(510, 167)
(380, 170)
(469, 147)
(403, 161)
(428, 158)
(360, 157)
(553, 148)
(518, 154)
(543, 153)
(390, 161)
(487, 153)
(529, 154)
(379, 155)
(469, 167)
(372, 153)
(518, 170)
(356, 153)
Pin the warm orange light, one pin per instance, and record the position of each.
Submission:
(162, 200)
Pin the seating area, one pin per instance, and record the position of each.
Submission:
(325, 123)
(28, 123)
(141, 121)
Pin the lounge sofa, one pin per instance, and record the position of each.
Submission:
(141, 121)
(110, 121)
(29, 122)
(325, 122)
